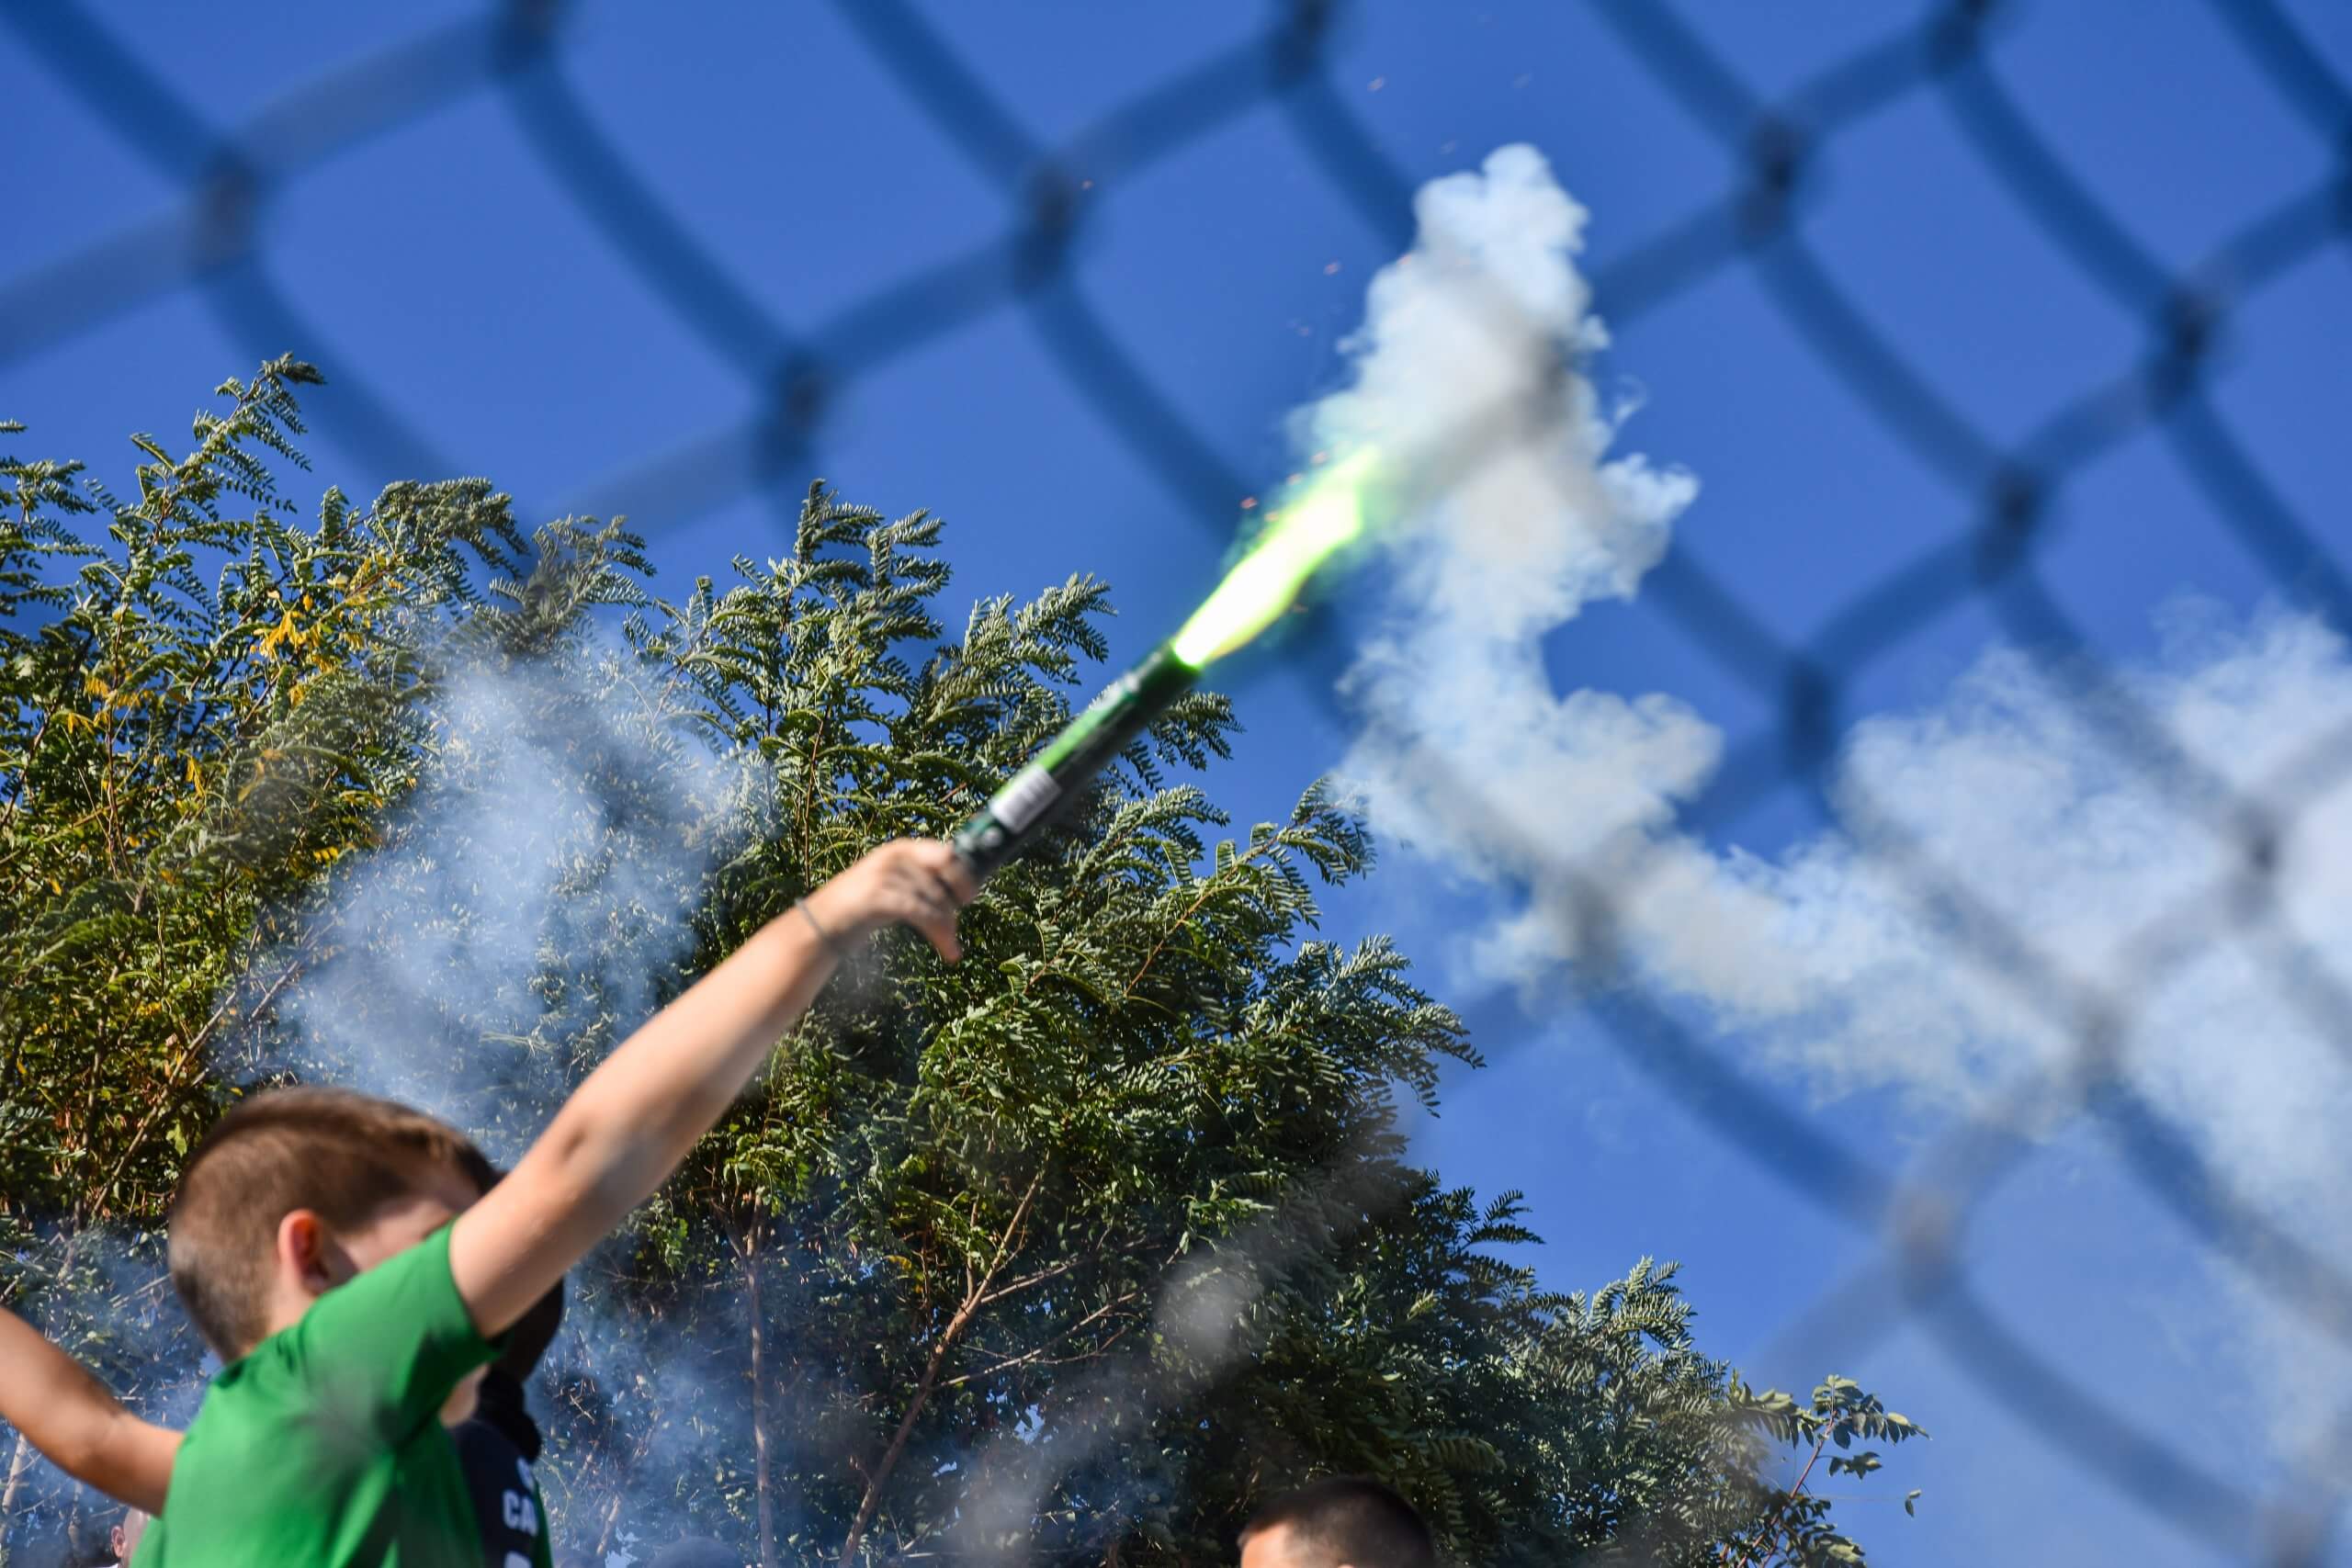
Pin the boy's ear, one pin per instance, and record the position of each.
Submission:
(306, 1254)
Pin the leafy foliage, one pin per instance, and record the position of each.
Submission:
(1795, 1527)
(1081, 1247)
(215, 707)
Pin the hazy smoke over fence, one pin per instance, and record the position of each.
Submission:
(2066, 795)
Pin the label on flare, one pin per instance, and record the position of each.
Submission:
(1025, 794)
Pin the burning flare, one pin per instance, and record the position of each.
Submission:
(1263, 585)
(1268, 578)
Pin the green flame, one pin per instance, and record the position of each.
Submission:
(1326, 516)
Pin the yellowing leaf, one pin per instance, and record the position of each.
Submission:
(285, 630)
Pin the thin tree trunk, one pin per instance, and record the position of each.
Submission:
(20, 1459)
(620, 1489)
(612, 1518)
(976, 1292)
(760, 1469)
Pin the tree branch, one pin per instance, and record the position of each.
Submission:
(1024, 1359)
(872, 1502)
(1796, 1490)
(1208, 886)
(195, 1041)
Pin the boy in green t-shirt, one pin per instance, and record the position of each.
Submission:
(56, 1405)
(342, 1256)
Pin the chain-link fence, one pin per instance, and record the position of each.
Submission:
(210, 240)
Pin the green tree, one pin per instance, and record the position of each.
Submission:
(210, 711)
(1073, 1252)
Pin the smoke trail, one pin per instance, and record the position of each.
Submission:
(1837, 971)
(526, 907)
(1481, 326)
(1821, 956)
(528, 902)
(103, 1296)
(652, 1410)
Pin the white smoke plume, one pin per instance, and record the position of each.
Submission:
(526, 904)
(1823, 958)
(523, 913)
(1471, 342)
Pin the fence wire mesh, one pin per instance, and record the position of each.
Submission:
(212, 240)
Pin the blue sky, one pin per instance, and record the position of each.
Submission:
(445, 267)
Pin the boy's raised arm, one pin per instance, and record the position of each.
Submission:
(76, 1422)
(624, 1130)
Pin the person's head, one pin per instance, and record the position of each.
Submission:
(124, 1537)
(295, 1191)
(1346, 1521)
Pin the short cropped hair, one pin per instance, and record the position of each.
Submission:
(346, 1155)
(1350, 1520)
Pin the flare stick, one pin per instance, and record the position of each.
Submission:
(1325, 517)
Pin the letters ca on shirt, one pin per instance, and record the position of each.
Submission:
(519, 1513)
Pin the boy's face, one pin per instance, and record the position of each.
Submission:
(402, 1225)
(313, 1259)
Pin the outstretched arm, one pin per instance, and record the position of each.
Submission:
(624, 1130)
(78, 1424)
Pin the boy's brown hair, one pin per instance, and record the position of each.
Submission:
(345, 1155)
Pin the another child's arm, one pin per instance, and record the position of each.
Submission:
(624, 1130)
(73, 1419)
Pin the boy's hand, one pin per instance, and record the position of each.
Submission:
(916, 882)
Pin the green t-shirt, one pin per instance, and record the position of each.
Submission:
(324, 1446)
